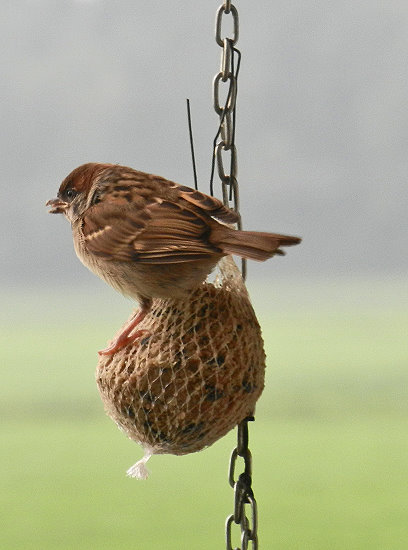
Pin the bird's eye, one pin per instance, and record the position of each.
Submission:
(70, 193)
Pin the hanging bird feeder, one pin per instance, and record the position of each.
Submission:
(198, 372)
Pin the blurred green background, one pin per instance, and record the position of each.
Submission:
(329, 443)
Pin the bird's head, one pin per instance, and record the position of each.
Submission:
(78, 191)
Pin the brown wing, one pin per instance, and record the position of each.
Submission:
(161, 232)
(210, 205)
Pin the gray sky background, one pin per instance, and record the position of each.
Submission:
(322, 131)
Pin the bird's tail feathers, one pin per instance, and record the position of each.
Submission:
(254, 245)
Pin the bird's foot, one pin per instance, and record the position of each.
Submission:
(128, 334)
(121, 342)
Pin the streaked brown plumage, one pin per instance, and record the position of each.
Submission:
(149, 237)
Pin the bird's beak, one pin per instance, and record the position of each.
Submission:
(57, 206)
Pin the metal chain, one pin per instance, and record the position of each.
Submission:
(225, 157)
(226, 82)
(244, 495)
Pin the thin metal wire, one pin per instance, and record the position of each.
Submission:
(190, 132)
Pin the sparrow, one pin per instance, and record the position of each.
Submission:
(149, 237)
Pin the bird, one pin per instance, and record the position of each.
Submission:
(149, 237)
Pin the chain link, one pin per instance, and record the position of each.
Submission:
(225, 9)
(244, 495)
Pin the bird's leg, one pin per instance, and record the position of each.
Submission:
(127, 335)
